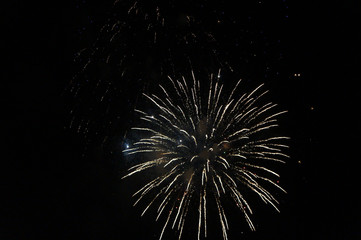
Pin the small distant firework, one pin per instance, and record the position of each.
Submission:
(208, 147)
(141, 41)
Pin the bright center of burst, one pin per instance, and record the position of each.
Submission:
(206, 154)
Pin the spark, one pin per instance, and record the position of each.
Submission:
(208, 147)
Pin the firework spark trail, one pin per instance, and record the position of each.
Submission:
(216, 147)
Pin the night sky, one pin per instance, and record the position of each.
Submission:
(61, 184)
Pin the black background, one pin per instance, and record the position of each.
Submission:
(51, 192)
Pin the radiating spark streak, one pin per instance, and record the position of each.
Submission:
(238, 132)
(224, 111)
(183, 218)
(225, 161)
(145, 129)
(183, 213)
(206, 152)
(224, 165)
(179, 209)
(216, 118)
(224, 141)
(238, 155)
(163, 204)
(181, 110)
(146, 163)
(165, 110)
(185, 132)
(244, 114)
(140, 168)
(268, 158)
(276, 114)
(231, 179)
(164, 104)
(195, 156)
(152, 184)
(193, 126)
(200, 215)
(234, 89)
(259, 129)
(215, 185)
(258, 112)
(277, 145)
(279, 154)
(138, 151)
(185, 83)
(266, 179)
(174, 86)
(263, 194)
(133, 7)
(172, 160)
(161, 192)
(182, 146)
(266, 147)
(262, 168)
(219, 94)
(176, 166)
(222, 218)
(205, 211)
(139, 111)
(255, 90)
(165, 91)
(175, 179)
(209, 97)
(181, 203)
(165, 225)
(220, 181)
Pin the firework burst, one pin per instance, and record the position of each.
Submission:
(208, 148)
